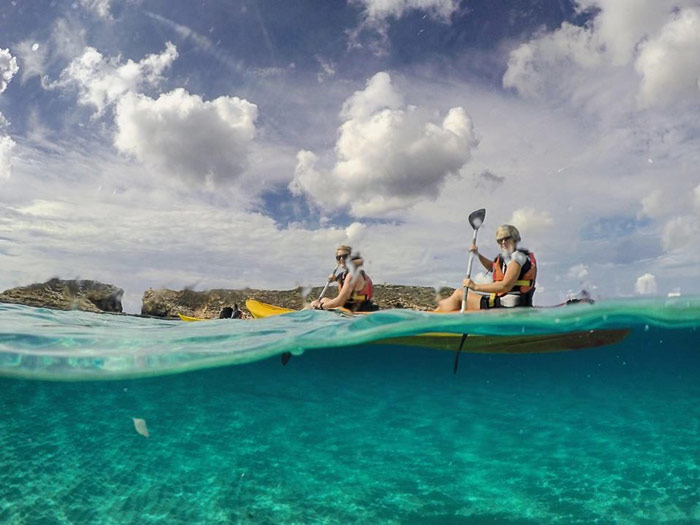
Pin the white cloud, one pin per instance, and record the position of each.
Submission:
(646, 285)
(327, 69)
(682, 233)
(578, 272)
(659, 39)
(621, 25)
(101, 81)
(653, 205)
(100, 7)
(202, 43)
(373, 29)
(669, 63)
(68, 37)
(388, 157)
(534, 64)
(181, 133)
(8, 68)
(355, 232)
(66, 41)
(7, 145)
(32, 56)
(660, 203)
(379, 94)
(44, 209)
(530, 221)
(382, 9)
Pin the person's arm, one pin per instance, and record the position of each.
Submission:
(485, 261)
(343, 294)
(316, 303)
(512, 273)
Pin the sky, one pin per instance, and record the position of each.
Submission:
(236, 143)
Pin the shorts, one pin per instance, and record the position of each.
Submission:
(509, 301)
(490, 301)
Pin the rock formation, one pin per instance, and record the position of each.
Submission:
(208, 304)
(91, 296)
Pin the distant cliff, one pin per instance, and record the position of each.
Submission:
(93, 296)
(208, 304)
(90, 296)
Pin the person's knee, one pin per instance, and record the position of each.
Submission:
(448, 304)
(443, 305)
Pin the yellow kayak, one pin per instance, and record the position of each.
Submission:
(260, 310)
(487, 344)
(189, 319)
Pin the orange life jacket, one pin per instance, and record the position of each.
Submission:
(363, 295)
(526, 280)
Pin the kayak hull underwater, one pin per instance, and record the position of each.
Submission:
(481, 344)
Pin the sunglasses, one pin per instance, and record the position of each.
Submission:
(342, 257)
(503, 239)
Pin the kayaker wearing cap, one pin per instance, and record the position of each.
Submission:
(355, 286)
(514, 272)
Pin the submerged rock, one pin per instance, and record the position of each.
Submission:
(90, 296)
(209, 304)
(140, 426)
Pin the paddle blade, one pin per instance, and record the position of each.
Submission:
(476, 218)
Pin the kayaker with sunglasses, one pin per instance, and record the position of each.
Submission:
(514, 273)
(354, 285)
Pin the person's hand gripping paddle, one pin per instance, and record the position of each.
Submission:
(328, 282)
(476, 219)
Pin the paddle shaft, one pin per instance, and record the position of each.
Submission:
(323, 292)
(469, 274)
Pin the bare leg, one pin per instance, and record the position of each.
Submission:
(454, 302)
(473, 301)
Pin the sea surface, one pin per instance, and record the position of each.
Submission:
(349, 430)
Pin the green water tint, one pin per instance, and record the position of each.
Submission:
(356, 434)
(367, 435)
(56, 345)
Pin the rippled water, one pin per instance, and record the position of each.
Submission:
(51, 344)
(348, 432)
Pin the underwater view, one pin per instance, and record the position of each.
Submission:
(201, 422)
(248, 276)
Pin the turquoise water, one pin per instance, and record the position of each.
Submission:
(361, 434)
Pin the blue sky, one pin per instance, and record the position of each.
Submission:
(236, 143)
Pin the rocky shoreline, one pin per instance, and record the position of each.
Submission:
(85, 295)
(93, 296)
